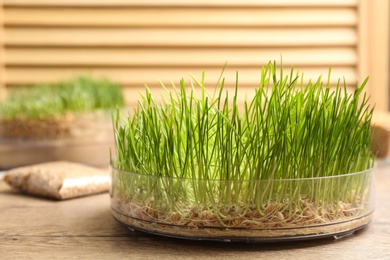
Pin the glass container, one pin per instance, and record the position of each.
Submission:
(251, 211)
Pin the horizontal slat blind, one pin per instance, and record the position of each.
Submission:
(144, 17)
(141, 56)
(144, 42)
(180, 37)
(2, 54)
(260, 3)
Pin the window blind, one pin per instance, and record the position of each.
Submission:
(145, 42)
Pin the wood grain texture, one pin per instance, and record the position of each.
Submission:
(179, 37)
(180, 17)
(192, 57)
(35, 228)
(182, 3)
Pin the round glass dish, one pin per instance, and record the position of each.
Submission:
(251, 211)
(83, 137)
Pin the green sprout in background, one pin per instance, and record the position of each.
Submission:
(54, 111)
(74, 95)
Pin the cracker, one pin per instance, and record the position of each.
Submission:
(58, 180)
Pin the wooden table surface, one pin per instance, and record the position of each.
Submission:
(35, 228)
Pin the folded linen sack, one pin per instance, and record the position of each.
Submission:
(58, 180)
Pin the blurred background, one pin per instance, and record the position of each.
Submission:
(144, 42)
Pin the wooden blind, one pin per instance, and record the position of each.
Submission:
(2, 55)
(144, 42)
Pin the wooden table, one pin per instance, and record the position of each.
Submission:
(35, 228)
